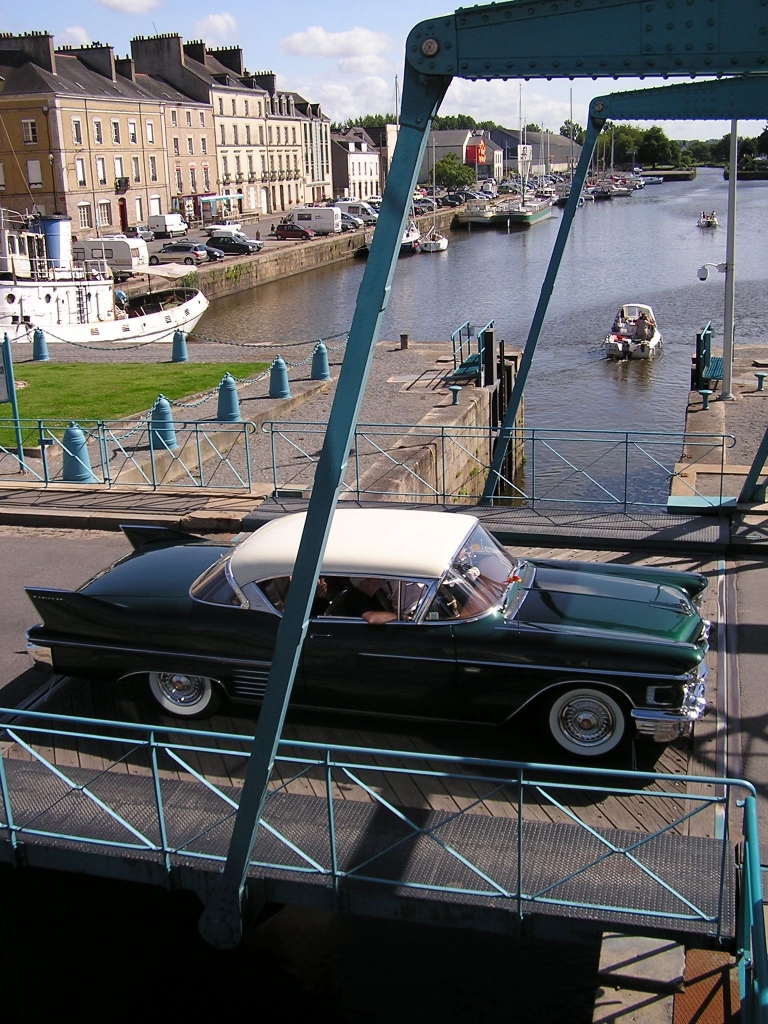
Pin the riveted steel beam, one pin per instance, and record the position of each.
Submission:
(594, 39)
(743, 98)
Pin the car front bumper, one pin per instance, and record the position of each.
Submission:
(663, 725)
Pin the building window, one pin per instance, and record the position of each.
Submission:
(101, 170)
(261, 135)
(2, 175)
(176, 149)
(206, 178)
(235, 139)
(174, 118)
(188, 117)
(150, 131)
(247, 135)
(203, 145)
(104, 213)
(293, 134)
(221, 105)
(224, 166)
(136, 168)
(153, 168)
(116, 132)
(258, 110)
(190, 145)
(29, 131)
(119, 172)
(80, 172)
(139, 210)
(269, 134)
(193, 179)
(133, 138)
(250, 164)
(84, 214)
(234, 107)
(202, 119)
(77, 131)
(237, 165)
(179, 181)
(155, 206)
(223, 134)
(98, 133)
(246, 108)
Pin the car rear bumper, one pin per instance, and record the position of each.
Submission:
(664, 726)
(42, 657)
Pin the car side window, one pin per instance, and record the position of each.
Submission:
(276, 591)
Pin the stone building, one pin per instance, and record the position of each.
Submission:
(79, 137)
(355, 164)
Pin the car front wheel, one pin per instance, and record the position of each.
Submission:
(586, 722)
(184, 695)
(154, 260)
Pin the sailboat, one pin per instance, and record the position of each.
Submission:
(434, 240)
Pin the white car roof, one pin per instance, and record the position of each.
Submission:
(362, 542)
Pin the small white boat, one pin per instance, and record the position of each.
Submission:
(653, 179)
(477, 211)
(634, 334)
(433, 241)
(42, 286)
(708, 220)
(409, 242)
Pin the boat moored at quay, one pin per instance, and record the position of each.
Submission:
(42, 287)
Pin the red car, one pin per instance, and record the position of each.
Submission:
(283, 231)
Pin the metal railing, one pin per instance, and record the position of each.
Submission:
(119, 453)
(604, 469)
(129, 802)
(462, 338)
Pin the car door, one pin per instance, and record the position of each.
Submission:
(402, 667)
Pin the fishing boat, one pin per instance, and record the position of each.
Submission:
(708, 220)
(530, 211)
(43, 287)
(634, 334)
(477, 211)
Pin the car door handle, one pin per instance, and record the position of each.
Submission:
(313, 636)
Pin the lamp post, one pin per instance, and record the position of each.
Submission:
(53, 183)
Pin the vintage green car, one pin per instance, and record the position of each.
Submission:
(417, 614)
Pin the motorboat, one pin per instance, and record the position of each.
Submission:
(634, 334)
(708, 220)
(477, 211)
(73, 301)
(653, 179)
(409, 242)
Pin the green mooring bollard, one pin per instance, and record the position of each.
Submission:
(162, 431)
(39, 347)
(320, 368)
(278, 380)
(179, 352)
(76, 464)
(228, 408)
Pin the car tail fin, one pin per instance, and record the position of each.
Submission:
(68, 612)
(140, 534)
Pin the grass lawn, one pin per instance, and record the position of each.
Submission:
(109, 391)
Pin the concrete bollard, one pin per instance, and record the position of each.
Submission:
(228, 408)
(76, 467)
(761, 380)
(162, 431)
(278, 380)
(706, 394)
(320, 368)
(39, 347)
(455, 390)
(179, 352)
(404, 340)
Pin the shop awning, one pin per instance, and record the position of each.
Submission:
(218, 199)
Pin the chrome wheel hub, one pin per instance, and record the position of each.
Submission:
(587, 721)
(180, 689)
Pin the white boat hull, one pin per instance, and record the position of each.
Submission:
(617, 346)
(433, 244)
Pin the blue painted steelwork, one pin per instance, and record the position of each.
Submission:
(534, 39)
(10, 389)
(168, 837)
(561, 467)
(752, 490)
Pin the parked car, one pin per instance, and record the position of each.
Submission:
(453, 199)
(213, 253)
(283, 231)
(181, 252)
(140, 231)
(350, 223)
(231, 246)
(223, 227)
(417, 614)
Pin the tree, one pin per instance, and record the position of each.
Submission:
(578, 131)
(533, 127)
(762, 142)
(450, 172)
(655, 148)
(700, 152)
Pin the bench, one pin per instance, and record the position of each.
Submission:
(470, 370)
(706, 369)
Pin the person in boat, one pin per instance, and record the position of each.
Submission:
(644, 328)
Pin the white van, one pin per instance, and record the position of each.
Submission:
(323, 220)
(166, 225)
(122, 255)
(357, 208)
(223, 227)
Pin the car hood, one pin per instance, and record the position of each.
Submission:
(571, 600)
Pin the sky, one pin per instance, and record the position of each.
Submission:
(343, 54)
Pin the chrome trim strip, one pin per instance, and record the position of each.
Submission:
(157, 653)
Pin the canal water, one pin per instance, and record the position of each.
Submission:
(646, 248)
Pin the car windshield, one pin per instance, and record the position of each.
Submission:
(482, 576)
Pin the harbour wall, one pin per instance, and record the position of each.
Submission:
(240, 274)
